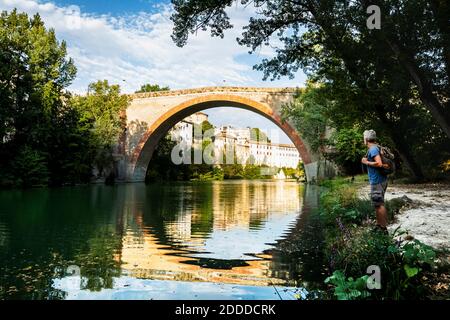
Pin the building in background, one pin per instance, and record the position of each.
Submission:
(183, 131)
(236, 144)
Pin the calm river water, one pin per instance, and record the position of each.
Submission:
(217, 240)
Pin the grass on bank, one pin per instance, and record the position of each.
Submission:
(352, 245)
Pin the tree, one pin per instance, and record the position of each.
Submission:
(394, 80)
(233, 171)
(103, 108)
(34, 71)
(339, 28)
(161, 167)
(349, 149)
(152, 88)
(308, 113)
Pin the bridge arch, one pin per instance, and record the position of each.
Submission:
(141, 155)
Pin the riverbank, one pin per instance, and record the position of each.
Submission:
(425, 214)
(410, 268)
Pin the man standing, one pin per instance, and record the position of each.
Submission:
(378, 181)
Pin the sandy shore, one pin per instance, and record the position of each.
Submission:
(428, 218)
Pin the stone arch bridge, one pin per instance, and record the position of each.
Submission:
(151, 115)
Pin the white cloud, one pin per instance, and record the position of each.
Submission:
(137, 49)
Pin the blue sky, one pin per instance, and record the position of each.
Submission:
(128, 42)
(114, 7)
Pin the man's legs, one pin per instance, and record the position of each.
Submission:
(377, 195)
(382, 217)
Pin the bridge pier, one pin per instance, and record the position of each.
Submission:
(319, 170)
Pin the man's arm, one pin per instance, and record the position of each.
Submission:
(378, 163)
(375, 154)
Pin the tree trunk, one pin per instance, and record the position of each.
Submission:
(407, 157)
(441, 11)
(423, 84)
(401, 145)
(427, 95)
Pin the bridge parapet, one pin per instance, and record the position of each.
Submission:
(210, 90)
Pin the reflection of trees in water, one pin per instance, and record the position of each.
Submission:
(97, 264)
(179, 213)
(50, 234)
(4, 235)
(167, 210)
(299, 256)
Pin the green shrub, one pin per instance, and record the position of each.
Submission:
(30, 168)
(351, 247)
(348, 288)
(343, 202)
(401, 264)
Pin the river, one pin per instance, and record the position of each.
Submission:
(212, 240)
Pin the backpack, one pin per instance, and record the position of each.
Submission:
(387, 157)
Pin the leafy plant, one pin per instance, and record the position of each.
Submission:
(348, 288)
(352, 247)
(417, 253)
(30, 167)
(348, 149)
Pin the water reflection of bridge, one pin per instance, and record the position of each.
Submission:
(183, 250)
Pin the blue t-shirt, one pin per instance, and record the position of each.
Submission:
(375, 177)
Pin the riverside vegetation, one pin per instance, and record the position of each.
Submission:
(409, 268)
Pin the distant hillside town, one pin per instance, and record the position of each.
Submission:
(250, 145)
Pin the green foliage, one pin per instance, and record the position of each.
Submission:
(417, 253)
(201, 129)
(215, 174)
(352, 247)
(252, 171)
(30, 167)
(103, 106)
(152, 88)
(34, 116)
(233, 171)
(349, 149)
(291, 173)
(206, 126)
(161, 167)
(308, 113)
(387, 79)
(103, 110)
(348, 289)
(47, 136)
(342, 201)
